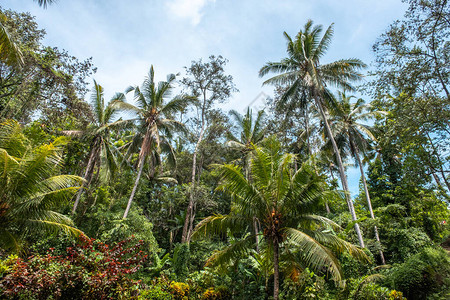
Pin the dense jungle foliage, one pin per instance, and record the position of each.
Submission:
(158, 194)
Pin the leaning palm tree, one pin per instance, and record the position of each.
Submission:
(102, 151)
(153, 115)
(284, 202)
(32, 187)
(352, 135)
(302, 70)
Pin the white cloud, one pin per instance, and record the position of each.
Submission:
(188, 9)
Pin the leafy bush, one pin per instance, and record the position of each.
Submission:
(305, 285)
(402, 243)
(89, 270)
(157, 291)
(7, 263)
(422, 275)
(218, 293)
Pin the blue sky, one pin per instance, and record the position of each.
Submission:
(126, 37)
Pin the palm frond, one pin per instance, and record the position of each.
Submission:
(313, 254)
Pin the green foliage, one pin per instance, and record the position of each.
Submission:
(156, 292)
(425, 275)
(32, 187)
(181, 261)
(50, 82)
(107, 225)
(305, 285)
(7, 264)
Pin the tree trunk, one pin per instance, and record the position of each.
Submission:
(276, 273)
(341, 171)
(141, 167)
(369, 203)
(255, 228)
(87, 176)
(189, 220)
(145, 149)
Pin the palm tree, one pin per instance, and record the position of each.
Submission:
(154, 119)
(283, 202)
(302, 70)
(352, 135)
(31, 187)
(101, 148)
(252, 133)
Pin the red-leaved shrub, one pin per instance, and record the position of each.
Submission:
(90, 270)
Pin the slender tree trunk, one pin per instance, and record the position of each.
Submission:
(87, 176)
(141, 167)
(369, 203)
(276, 272)
(255, 228)
(186, 236)
(145, 149)
(341, 171)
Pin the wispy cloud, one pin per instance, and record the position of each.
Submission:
(188, 9)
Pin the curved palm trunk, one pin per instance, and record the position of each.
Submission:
(276, 272)
(341, 171)
(141, 167)
(145, 148)
(87, 176)
(369, 203)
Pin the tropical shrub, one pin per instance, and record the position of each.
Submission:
(424, 275)
(89, 270)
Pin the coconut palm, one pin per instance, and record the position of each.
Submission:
(283, 201)
(102, 151)
(353, 136)
(31, 187)
(302, 70)
(153, 115)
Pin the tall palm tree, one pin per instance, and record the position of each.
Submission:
(283, 202)
(31, 187)
(102, 151)
(302, 70)
(153, 115)
(351, 134)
